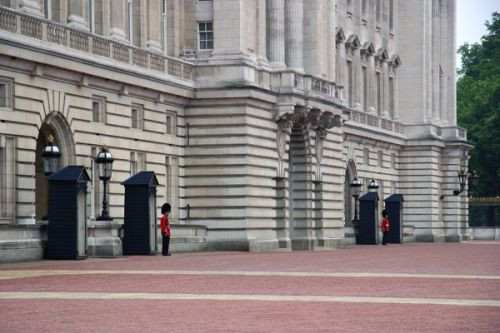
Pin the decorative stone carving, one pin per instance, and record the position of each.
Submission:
(284, 128)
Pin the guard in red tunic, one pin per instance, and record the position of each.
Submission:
(165, 229)
(385, 227)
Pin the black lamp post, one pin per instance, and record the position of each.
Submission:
(105, 161)
(356, 191)
(462, 179)
(373, 186)
(50, 157)
(473, 180)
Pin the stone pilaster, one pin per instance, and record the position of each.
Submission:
(276, 33)
(154, 23)
(294, 34)
(332, 50)
(117, 31)
(77, 14)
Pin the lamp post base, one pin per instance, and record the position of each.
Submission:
(104, 218)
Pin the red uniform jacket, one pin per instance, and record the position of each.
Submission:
(165, 225)
(385, 224)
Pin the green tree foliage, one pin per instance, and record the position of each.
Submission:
(478, 103)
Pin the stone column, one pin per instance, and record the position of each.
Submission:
(276, 33)
(77, 14)
(117, 13)
(153, 41)
(331, 41)
(294, 10)
(32, 7)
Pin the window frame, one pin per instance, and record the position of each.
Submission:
(140, 116)
(198, 24)
(9, 92)
(101, 101)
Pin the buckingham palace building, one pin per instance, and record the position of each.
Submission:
(256, 117)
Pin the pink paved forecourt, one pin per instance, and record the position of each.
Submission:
(447, 287)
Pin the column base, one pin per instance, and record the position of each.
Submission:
(78, 22)
(31, 7)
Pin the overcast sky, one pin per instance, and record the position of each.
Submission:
(471, 16)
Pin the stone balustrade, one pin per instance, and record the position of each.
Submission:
(376, 121)
(53, 32)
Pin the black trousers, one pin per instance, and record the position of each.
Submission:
(166, 243)
(385, 234)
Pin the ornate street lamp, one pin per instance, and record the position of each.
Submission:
(373, 186)
(356, 191)
(50, 157)
(105, 161)
(462, 179)
(473, 180)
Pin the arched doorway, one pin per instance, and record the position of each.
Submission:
(300, 191)
(56, 125)
(350, 174)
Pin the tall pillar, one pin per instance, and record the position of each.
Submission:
(153, 41)
(117, 30)
(276, 33)
(77, 14)
(32, 7)
(261, 50)
(331, 41)
(294, 10)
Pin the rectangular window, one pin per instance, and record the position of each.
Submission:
(47, 9)
(391, 97)
(379, 93)
(366, 156)
(164, 25)
(205, 35)
(98, 109)
(171, 124)
(5, 93)
(172, 185)
(91, 14)
(95, 193)
(365, 89)
(137, 114)
(141, 161)
(393, 160)
(133, 164)
(380, 158)
(350, 83)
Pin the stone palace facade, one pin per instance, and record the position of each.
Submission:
(255, 115)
